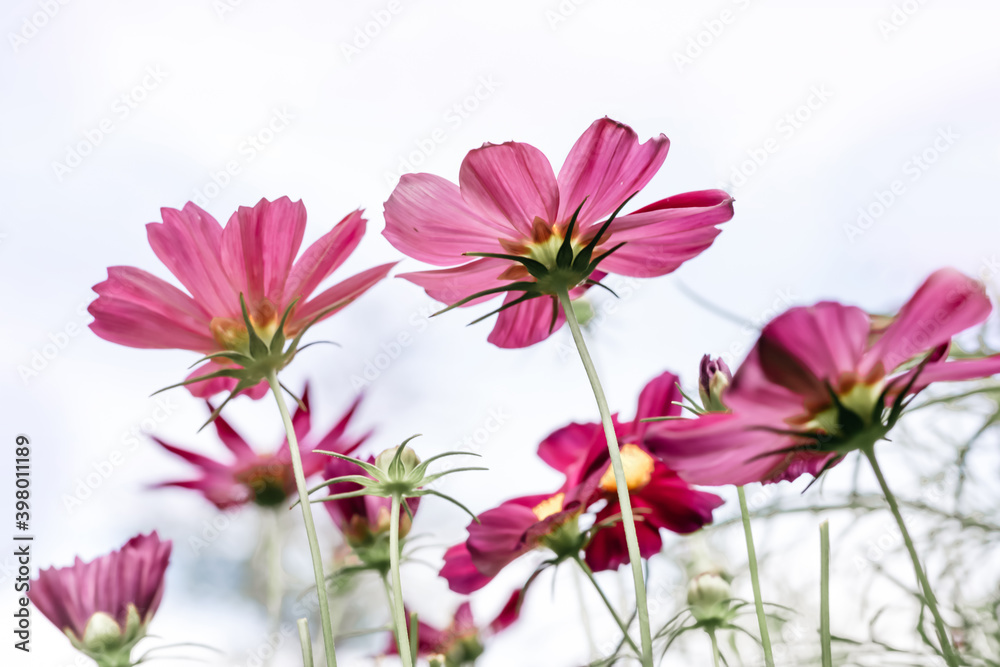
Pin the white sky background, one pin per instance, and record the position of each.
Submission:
(225, 72)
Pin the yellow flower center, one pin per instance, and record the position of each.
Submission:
(549, 506)
(638, 466)
(231, 333)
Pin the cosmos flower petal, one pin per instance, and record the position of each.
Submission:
(137, 309)
(608, 549)
(717, 449)
(947, 303)
(456, 283)
(426, 218)
(510, 182)
(189, 243)
(606, 165)
(340, 295)
(659, 398)
(660, 237)
(526, 323)
(460, 572)
(324, 257)
(259, 245)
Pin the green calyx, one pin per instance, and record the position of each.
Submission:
(252, 359)
(556, 265)
(397, 473)
(108, 643)
(566, 541)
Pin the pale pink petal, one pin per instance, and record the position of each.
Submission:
(323, 257)
(454, 284)
(526, 323)
(137, 309)
(606, 165)
(338, 296)
(188, 242)
(947, 303)
(660, 237)
(427, 219)
(259, 245)
(510, 182)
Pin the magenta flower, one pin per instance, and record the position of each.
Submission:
(536, 234)
(104, 606)
(662, 500)
(264, 479)
(823, 381)
(505, 533)
(363, 520)
(253, 256)
(462, 642)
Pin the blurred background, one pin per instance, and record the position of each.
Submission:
(861, 141)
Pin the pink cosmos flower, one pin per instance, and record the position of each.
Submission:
(505, 533)
(661, 499)
(511, 207)
(362, 519)
(462, 642)
(825, 380)
(254, 255)
(104, 606)
(264, 479)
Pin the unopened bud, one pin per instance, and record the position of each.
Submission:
(708, 595)
(408, 460)
(713, 379)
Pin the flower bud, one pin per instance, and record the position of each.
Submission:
(708, 595)
(408, 460)
(713, 379)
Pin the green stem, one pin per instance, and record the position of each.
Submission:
(275, 576)
(946, 648)
(398, 612)
(765, 637)
(621, 624)
(716, 656)
(307, 519)
(628, 521)
(824, 594)
(306, 641)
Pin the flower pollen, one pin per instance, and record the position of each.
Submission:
(638, 467)
(549, 506)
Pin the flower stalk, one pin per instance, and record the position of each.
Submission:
(824, 594)
(398, 611)
(947, 651)
(628, 520)
(307, 519)
(765, 637)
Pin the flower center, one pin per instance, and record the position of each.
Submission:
(638, 466)
(231, 333)
(549, 506)
(268, 483)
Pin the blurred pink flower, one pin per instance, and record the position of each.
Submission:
(825, 380)
(104, 606)
(264, 479)
(507, 532)
(508, 201)
(661, 499)
(254, 255)
(462, 642)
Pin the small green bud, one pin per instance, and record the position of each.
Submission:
(408, 459)
(709, 595)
